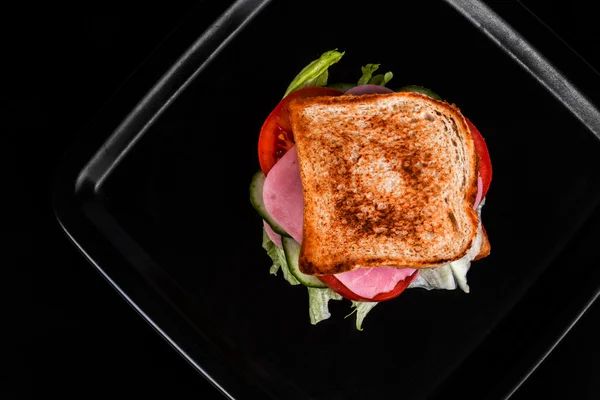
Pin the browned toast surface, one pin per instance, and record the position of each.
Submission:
(388, 180)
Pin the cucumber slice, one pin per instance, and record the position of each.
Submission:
(256, 198)
(419, 89)
(291, 248)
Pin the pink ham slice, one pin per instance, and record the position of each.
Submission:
(368, 89)
(369, 282)
(479, 190)
(282, 194)
(274, 236)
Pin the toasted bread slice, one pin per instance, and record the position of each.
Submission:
(388, 180)
(485, 248)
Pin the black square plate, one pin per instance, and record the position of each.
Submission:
(157, 198)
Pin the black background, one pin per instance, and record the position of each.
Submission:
(83, 340)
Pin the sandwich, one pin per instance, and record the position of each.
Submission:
(365, 191)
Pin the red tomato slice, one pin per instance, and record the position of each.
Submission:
(334, 284)
(276, 136)
(485, 165)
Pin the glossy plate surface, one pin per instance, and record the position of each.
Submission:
(158, 197)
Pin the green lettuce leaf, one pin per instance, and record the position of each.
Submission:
(320, 80)
(381, 79)
(449, 277)
(316, 73)
(459, 271)
(435, 278)
(361, 308)
(367, 73)
(318, 307)
(368, 78)
(279, 261)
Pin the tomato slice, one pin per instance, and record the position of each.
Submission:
(276, 136)
(334, 284)
(485, 165)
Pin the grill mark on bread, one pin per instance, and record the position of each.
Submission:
(373, 188)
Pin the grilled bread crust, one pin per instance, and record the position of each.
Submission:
(388, 180)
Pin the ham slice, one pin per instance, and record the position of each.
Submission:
(282, 194)
(274, 236)
(369, 282)
(479, 190)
